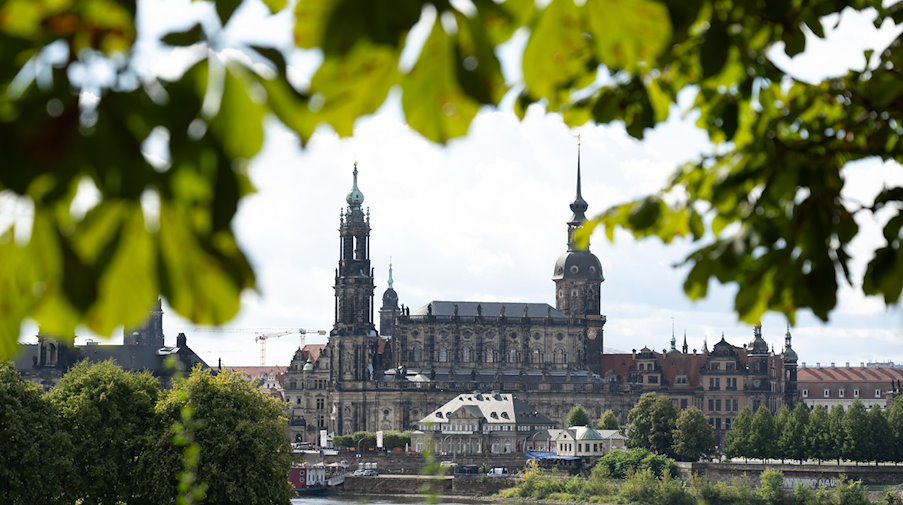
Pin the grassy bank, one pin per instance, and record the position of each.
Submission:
(647, 488)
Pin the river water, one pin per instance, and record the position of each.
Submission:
(374, 500)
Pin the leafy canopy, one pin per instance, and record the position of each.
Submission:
(765, 208)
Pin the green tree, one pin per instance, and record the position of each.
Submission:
(737, 440)
(577, 416)
(788, 139)
(608, 421)
(838, 434)
(108, 414)
(694, 437)
(762, 434)
(895, 422)
(856, 437)
(244, 451)
(650, 424)
(32, 443)
(878, 435)
(792, 437)
(780, 423)
(819, 441)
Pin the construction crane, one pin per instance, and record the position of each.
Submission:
(261, 335)
(262, 338)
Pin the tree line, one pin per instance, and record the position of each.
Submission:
(855, 434)
(107, 436)
(366, 440)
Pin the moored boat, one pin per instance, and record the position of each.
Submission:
(308, 480)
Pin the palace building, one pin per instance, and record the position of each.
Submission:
(550, 356)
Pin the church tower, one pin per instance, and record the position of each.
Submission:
(354, 286)
(151, 334)
(791, 391)
(389, 309)
(578, 273)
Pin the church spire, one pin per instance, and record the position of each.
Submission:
(390, 274)
(355, 198)
(578, 208)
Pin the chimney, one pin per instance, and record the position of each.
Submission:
(862, 364)
(803, 364)
(848, 364)
(817, 364)
(180, 340)
(832, 364)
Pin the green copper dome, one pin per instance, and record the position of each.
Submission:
(308, 367)
(355, 198)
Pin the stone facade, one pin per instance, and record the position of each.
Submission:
(551, 356)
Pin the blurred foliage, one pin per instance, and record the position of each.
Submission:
(765, 207)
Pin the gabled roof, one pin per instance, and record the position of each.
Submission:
(493, 408)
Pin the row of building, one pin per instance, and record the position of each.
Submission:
(397, 376)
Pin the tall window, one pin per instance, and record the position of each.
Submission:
(512, 356)
(537, 356)
(443, 354)
(417, 353)
(466, 355)
(491, 356)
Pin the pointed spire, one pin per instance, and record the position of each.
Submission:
(705, 345)
(355, 198)
(685, 347)
(390, 272)
(579, 205)
(673, 338)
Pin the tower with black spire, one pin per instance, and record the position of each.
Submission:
(578, 273)
(791, 388)
(389, 309)
(151, 333)
(354, 286)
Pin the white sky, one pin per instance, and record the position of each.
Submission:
(484, 219)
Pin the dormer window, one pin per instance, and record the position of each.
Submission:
(439, 415)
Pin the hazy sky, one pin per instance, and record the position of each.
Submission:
(484, 219)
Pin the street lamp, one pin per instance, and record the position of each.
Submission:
(359, 447)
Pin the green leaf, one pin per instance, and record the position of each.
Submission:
(432, 99)
(478, 70)
(225, 9)
(275, 5)
(185, 38)
(353, 85)
(129, 280)
(196, 280)
(715, 49)
(557, 52)
(239, 121)
(628, 32)
(290, 107)
(311, 17)
(379, 22)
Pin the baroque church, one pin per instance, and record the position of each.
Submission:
(552, 356)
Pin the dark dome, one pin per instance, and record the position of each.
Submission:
(789, 355)
(758, 346)
(390, 299)
(578, 265)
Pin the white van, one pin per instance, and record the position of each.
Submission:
(497, 472)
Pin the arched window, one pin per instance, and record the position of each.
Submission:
(560, 356)
(443, 354)
(537, 356)
(466, 355)
(512, 356)
(491, 356)
(417, 353)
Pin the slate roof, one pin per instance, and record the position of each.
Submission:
(490, 309)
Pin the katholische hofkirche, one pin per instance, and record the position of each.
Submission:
(368, 379)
